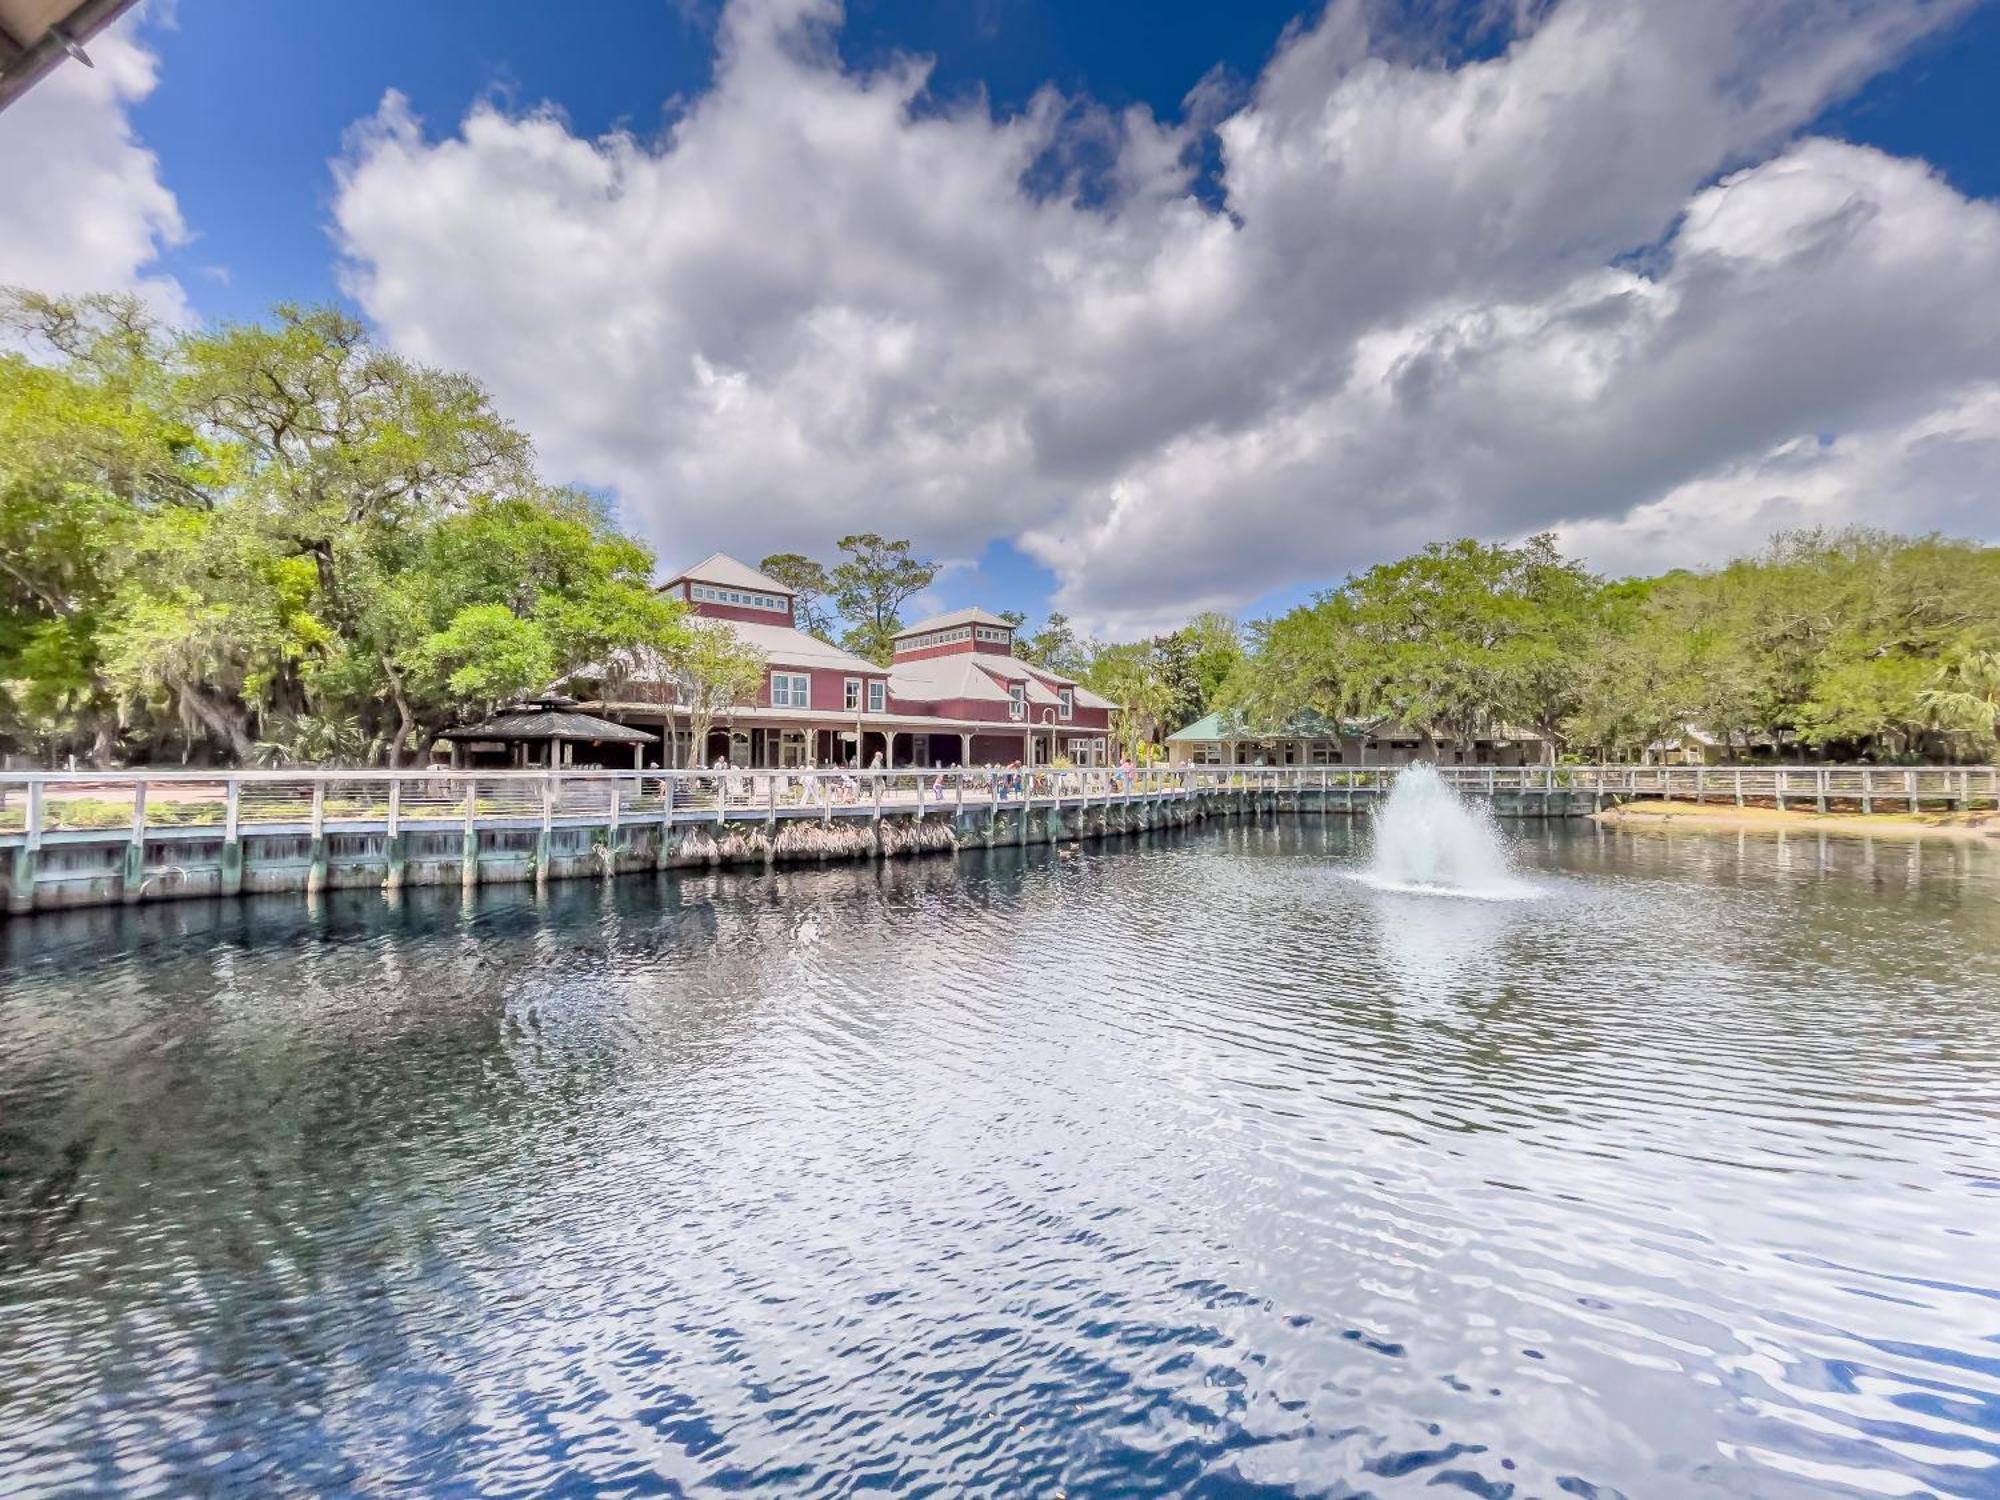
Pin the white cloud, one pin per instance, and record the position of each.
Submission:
(85, 209)
(823, 301)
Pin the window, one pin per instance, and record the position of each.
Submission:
(850, 694)
(741, 598)
(932, 638)
(1017, 699)
(878, 696)
(1067, 698)
(791, 690)
(994, 634)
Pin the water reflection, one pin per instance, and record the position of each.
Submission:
(1173, 1165)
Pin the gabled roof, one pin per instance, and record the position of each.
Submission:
(785, 647)
(550, 724)
(1226, 725)
(940, 679)
(973, 616)
(720, 567)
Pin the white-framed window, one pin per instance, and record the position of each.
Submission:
(878, 695)
(791, 690)
(741, 598)
(995, 634)
(850, 694)
(792, 748)
(1066, 700)
(1017, 700)
(932, 638)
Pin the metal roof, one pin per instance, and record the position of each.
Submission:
(720, 567)
(974, 616)
(1304, 725)
(550, 724)
(36, 35)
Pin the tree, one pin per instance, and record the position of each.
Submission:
(88, 450)
(871, 586)
(1054, 647)
(715, 672)
(1129, 676)
(810, 584)
(1964, 693)
(1458, 640)
(280, 536)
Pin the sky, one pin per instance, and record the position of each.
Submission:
(1123, 309)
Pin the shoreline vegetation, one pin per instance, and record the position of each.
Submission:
(1979, 824)
(278, 544)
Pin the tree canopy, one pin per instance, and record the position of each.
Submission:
(275, 540)
(1850, 643)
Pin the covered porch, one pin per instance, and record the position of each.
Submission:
(774, 739)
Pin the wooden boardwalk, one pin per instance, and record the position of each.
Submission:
(72, 839)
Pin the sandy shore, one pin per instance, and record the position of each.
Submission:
(1982, 825)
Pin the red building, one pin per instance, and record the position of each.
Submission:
(956, 694)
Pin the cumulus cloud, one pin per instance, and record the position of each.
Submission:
(1594, 282)
(85, 209)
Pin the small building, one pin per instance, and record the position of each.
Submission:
(955, 694)
(1312, 739)
(549, 734)
(1690, 745)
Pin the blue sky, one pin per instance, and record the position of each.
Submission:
(253, 104)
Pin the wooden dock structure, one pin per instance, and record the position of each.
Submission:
(72, 839)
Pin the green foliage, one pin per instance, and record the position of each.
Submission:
(714, 672)
(811, 584)
(1834, 642)
(871, 585)
(276, 540)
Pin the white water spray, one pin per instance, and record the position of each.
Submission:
(1428, 839)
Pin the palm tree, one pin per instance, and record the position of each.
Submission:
(1965, 693)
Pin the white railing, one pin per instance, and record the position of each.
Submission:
(146, 803)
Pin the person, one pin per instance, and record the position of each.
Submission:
(877, 763)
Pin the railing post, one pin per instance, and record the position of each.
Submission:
(232, 845)
(771, 802)
(1910, 790)
(668, 780)
(1739, 786)
(27, 854)
(468, 846)
(1868, 789)
(134, 881)
(393, 854)
(545, 839)
(1820, 775)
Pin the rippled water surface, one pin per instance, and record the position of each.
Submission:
(1178, 1166)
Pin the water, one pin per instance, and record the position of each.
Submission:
(1180, 1166)
(1428, 840)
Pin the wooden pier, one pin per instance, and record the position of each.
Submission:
(84, 839)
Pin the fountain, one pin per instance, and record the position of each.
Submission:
(1428, 839)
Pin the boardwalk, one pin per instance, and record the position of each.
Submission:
(82, 839)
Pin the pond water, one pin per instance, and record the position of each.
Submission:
(1178, 1165)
